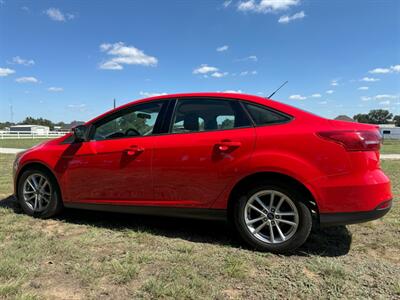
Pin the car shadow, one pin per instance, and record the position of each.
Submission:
(327, 242)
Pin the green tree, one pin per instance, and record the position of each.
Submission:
(38, 121)
(5, 124)
(396, 120)
(361, 118)
(379, 116)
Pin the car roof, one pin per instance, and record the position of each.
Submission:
(238, 96)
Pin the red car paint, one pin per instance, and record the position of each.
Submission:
(187, 170)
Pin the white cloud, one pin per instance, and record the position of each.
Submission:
(222, 48)
(391, 69)
(55, 89)
(386, 96)
(248, 58)
(386, 102)
(21, 61)
(365, 98)
(147, 94)
(57, 15)
(77, 107)
(330, 91)
(316, 95)
(363, 88)
(297, 97)
(219, 74)
(233, 91)
(266, 6)
(204, 69)
(395, 68)
(335, 82)
(287, 19)
(369, 79)
(6, 71)
(383, 97)
(29, 79)
(244, 73)
(227, 3)
(380, 71)
(125, 55)
(323, 102)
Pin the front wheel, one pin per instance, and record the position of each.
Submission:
(272, 217)
(38, 194)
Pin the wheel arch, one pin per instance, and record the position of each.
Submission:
(251, 180)
(36, 166)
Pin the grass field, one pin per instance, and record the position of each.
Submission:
(391, 147)
(20, 143)
(89, 255)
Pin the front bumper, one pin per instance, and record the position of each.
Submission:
(346, 218)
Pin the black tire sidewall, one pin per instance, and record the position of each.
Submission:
(302, 231)
(55, 203)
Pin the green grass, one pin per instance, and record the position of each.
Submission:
(20, 143)
(391, 147)
(84, 254)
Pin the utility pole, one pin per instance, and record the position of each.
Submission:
(114, 103)
(11, 113)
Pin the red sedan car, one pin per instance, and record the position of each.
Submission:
(269, 168)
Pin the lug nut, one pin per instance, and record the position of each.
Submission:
(273, 210)
(272, 222)
(277, 217)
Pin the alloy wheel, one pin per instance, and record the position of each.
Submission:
(271, 216)
(37, 192)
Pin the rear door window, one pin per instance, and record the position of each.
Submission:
(196, 115)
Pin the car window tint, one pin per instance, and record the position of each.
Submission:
(208, 114)
(139, 121)
(263, 116)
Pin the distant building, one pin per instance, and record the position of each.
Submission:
(344, 118)
(389, 131)
(35, 129)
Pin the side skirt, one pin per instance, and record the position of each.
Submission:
(178, 212)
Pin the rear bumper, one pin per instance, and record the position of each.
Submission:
(333, 219)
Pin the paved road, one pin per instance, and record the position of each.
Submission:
(15, 150)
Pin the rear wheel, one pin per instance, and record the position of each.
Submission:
(272, 217)
(38, 194)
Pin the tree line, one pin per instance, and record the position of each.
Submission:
(378, 116)
(375, 116)
(33, 121)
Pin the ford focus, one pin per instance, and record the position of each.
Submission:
(270, 169)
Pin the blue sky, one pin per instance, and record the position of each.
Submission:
(67, 60)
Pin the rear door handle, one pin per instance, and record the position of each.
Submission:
(134, 150)
(225, 146)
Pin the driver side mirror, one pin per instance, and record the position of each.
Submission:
(80, 133)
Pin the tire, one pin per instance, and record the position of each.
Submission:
(45, 203)
(296, 213)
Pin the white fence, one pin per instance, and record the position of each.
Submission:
(30, 135)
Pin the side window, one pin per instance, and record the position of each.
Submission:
(195, 115)
(138, 121)
(263, 116)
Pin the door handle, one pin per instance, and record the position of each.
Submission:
(134, 150)
(225, 146)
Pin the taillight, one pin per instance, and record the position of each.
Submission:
(354, 140)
